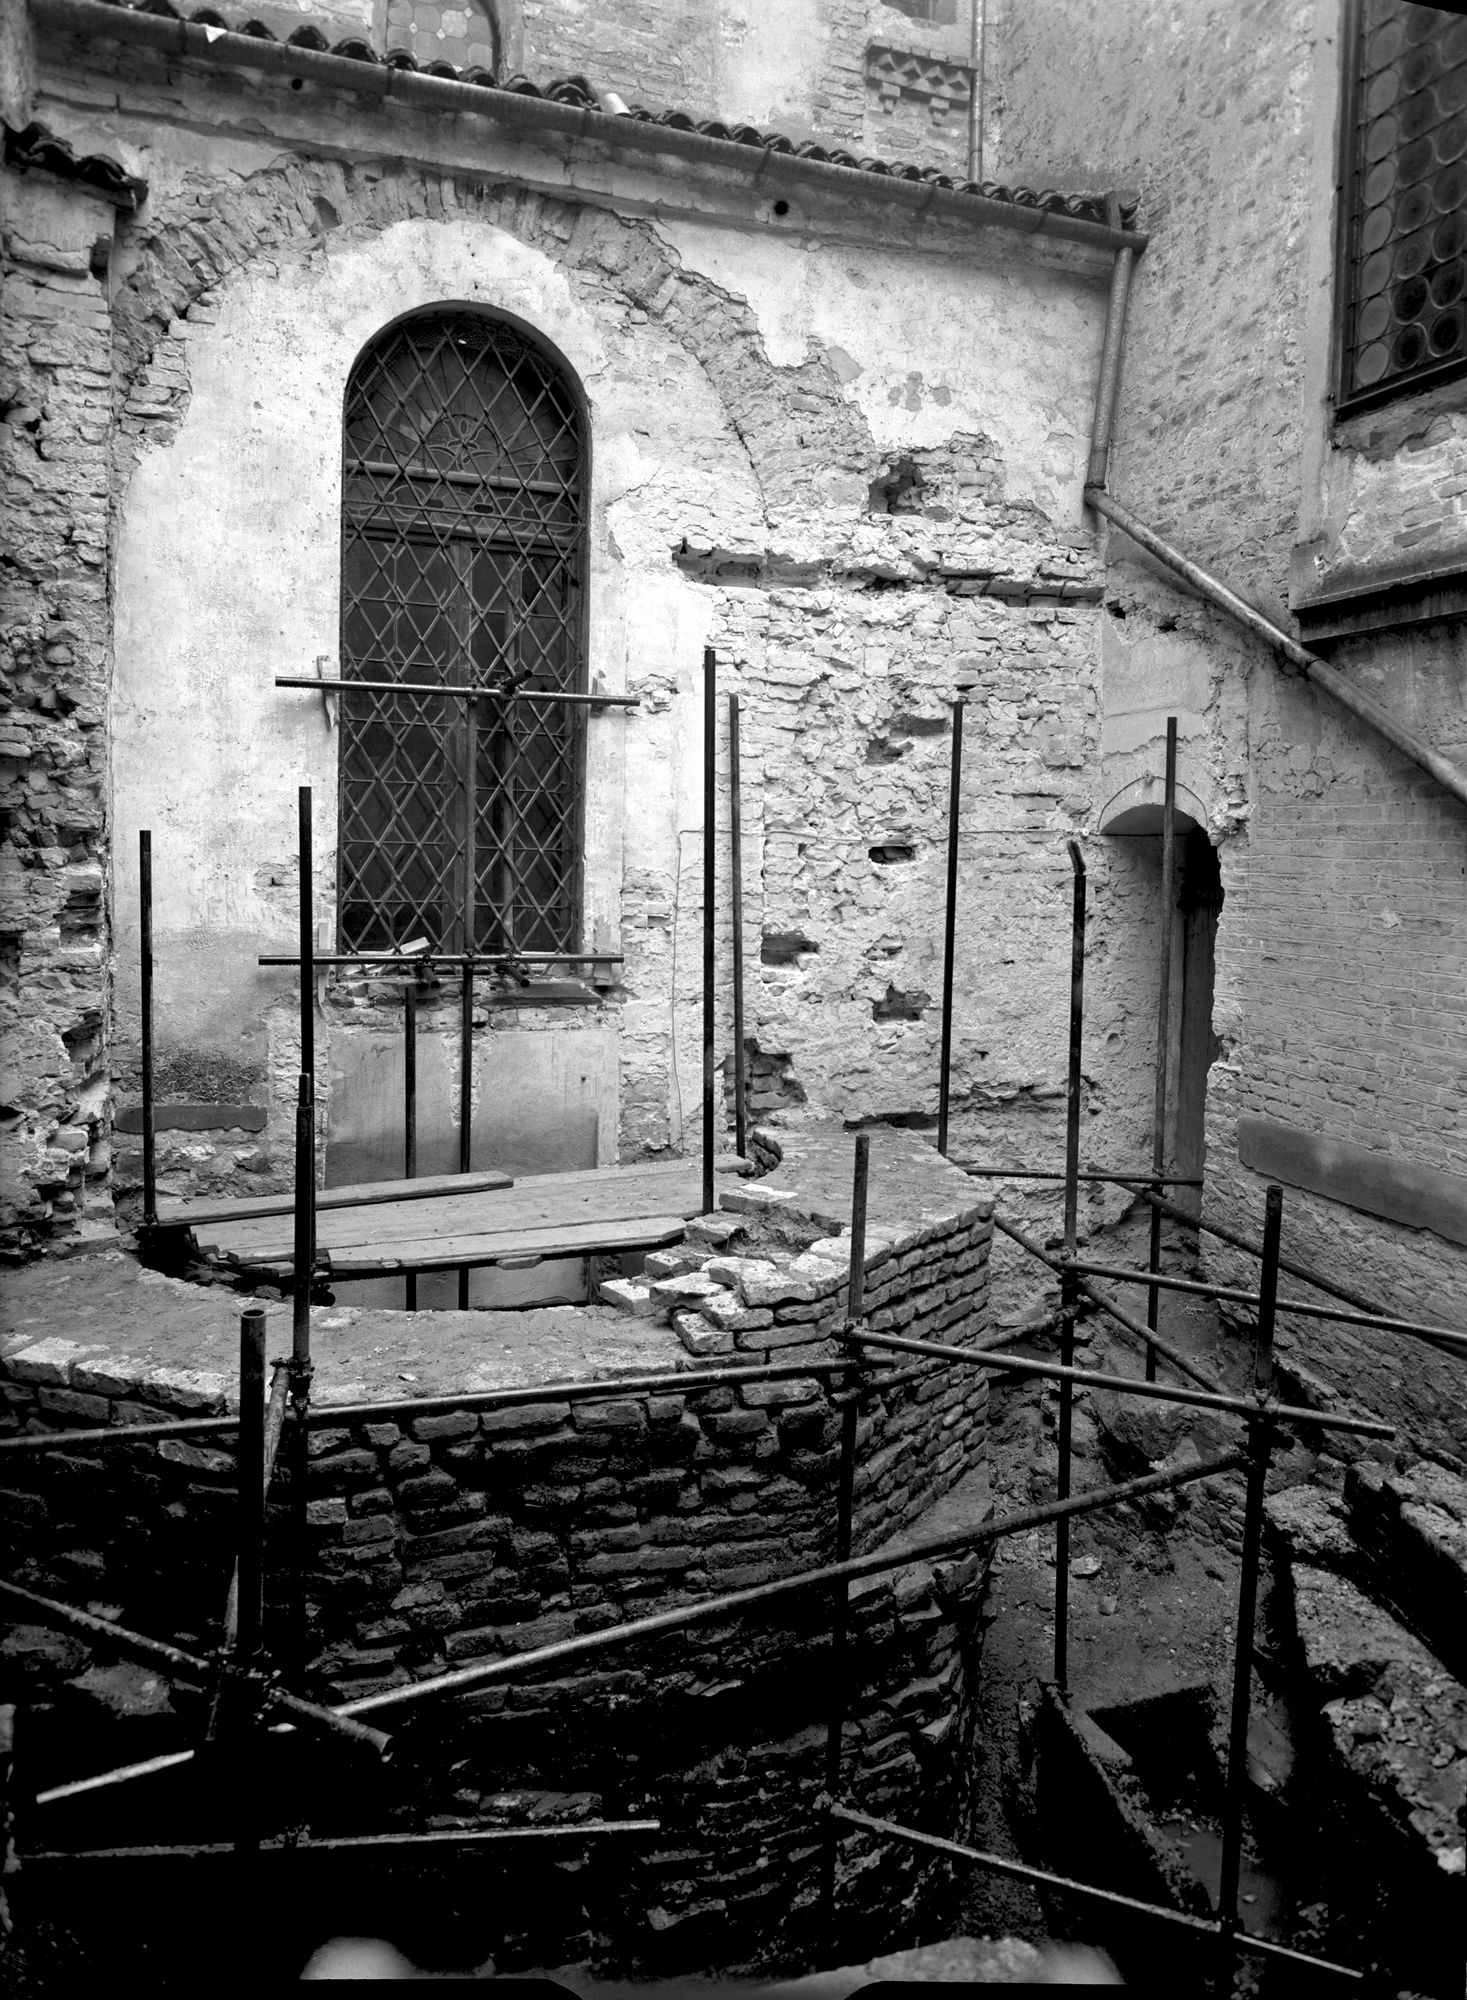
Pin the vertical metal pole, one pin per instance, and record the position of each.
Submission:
(249, 1571)
(249, 1616)
(305, 1131)
(1163, 1023)
(856, 1283)
(710, 805)
(1069, 1288)
(410, 1112)
(150, 1144)
(736, 867)
(845, 1511)
(949, 930)
(465, 1097)
(1259, 1445)
(305, 1243)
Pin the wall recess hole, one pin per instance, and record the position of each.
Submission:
(891, 851)
(784, 947)
(899, 1006)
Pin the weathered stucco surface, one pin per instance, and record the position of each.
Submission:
(1344, 931)
(847, 457)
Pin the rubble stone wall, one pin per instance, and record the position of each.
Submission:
(468, 1535)
(861, 533)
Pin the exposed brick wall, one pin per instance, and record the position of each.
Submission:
(55, 400)
(441, 1539)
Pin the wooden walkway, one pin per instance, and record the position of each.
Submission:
(456, 1221)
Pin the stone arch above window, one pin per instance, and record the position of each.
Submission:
(465, 33)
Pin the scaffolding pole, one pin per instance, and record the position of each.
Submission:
(710, 809)
(1069, 1291)
(1163, 1026)
(145, 955)
(949, 925)
(736, 890)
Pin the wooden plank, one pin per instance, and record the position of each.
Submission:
(366, 1194)
(446, 1253)
(548, 1200)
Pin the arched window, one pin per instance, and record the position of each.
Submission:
(463, 550)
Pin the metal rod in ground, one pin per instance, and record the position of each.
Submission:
(802, 1583)
(710, 807)
(410, 1113)
(250, 1561)
(1163, 1022)
(465, 1097)
(250, 1462)
(982, 1173)
(840, 1619)
(274, 1425)
(145, 923)
(453, 1837)
(1022, 1872)
(1069, 1290)
(1259, 1440)
(949, 925)
(1370, 1313)
(1238, 1295)
(736, 870)
(844, 1514)
(305, 1251)
(1129, 1385)
(860, 1181)
(1109, 1307)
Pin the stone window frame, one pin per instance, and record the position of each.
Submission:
(463, 718)
(1348, 219)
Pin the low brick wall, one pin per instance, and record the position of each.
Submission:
(477, 1533)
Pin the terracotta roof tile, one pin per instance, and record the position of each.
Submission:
(579, 92)
(38, 147)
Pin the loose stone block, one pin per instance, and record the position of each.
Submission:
(725, 1311)
(698, 1336)
(452, 1424)
(49, 1361)
(627, 1296)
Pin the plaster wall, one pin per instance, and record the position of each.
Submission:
(748, 391)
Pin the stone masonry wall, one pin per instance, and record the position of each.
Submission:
(467, 1535)
(858, 537)
(1344, 926)
(55, 430)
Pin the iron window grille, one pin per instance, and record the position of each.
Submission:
(463, 555)
(1401, 267)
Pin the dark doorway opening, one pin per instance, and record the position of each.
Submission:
(1199, 899)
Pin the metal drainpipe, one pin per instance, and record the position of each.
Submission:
(1446, 773)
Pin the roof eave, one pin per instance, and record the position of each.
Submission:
(97, 20)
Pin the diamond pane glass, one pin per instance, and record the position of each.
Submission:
(462, 558)
(1402, 289)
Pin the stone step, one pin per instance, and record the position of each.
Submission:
(1412, 1529)
(1396, 1718)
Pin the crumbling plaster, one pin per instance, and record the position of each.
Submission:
(1344, 930)
(754, 446)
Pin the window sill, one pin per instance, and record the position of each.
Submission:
(543, 993)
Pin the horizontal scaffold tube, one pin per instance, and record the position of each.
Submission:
(588, 1829)
(1331, 1287)
(1315, 669)
(1139, 1332)
(185, 1666)
(929, 1549)
(1023, 1873)
(1446, 1335)
(1127, 1385)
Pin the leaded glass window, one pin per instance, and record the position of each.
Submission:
(463, 550)
(1403, 245)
